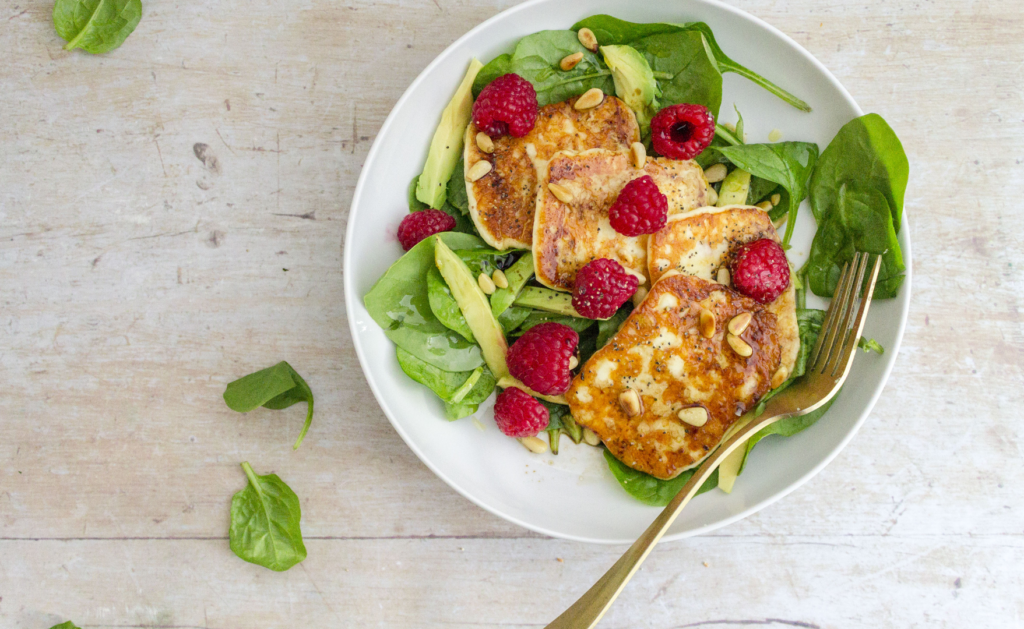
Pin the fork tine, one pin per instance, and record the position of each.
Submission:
(830, 316)
(836, 350)
(840, 301)
(846, 359)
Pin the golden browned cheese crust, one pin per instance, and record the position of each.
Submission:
(567, 236)
(700, 242)
(661, 354)
(502, 202)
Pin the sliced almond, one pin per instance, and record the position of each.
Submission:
(779, 377)
(588, 39)
(724, 278)
(739, 323)
(573, 362)
(695, 416)
(590, 437)
(639, 153)
(499, 279)
(639, 295)
(707, 323)
(629, 400)
(712, 196)
(716, 173)
(561, 193)
(569, 62)
(478, 170)
(484, 142)
(486, 284)
(534, 444)
(590, 99)
(739, 346)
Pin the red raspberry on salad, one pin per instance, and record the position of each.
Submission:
(602, 286)
(639, 209)
(540, 358)
(508, 105)
(518, 414)
(760, 270)
(682, 131)
(423, 224)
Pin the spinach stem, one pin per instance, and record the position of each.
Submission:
(766, 84)
(251, 475)
(305, 428)
(727, 135)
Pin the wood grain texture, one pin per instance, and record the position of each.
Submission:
(171, 218)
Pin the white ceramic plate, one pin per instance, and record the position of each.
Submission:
(573, 495)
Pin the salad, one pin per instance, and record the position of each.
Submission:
(587, 242)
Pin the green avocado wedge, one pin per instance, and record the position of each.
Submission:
(475, 306)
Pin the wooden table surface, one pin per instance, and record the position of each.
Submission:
(137, 279)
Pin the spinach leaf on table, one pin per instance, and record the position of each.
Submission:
(860, 221)
(96, 26)
(611, 30)
(399, 303)
(275, 388)
(650, 490)
(788, 164)
(66, 625)
(536, 58)
(265, 523)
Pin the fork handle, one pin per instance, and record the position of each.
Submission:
(586, 612)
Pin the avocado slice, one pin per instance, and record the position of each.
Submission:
(547, 300)
(729, 468)
(446, 146)
(517, 275)
(734, 189)
(508, 381)
(634, 80)
(475, 307)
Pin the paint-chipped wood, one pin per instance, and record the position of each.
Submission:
(171, 218)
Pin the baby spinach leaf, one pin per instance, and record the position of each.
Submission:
(588, 343)
(96, 26)
(536, 58)
(399, 303)
(444, 306)
(513, 317)
(788, 164)
(685, 70)
(785, 428)
(607, 328)
(611, 30)
(866, 153)
(485, 260)
(462, 392)
(458, 195)
(760, 189)
(480, 391)
(66, 625)
(275, 388)
(861, 220)
(265, 523)
(650, 490)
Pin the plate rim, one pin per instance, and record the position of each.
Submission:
(351, 299)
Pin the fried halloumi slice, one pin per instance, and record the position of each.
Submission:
(701, 242)
(502, 202)
(568, 235)
(662, 355)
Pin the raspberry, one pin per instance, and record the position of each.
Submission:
(540, 358)
(423, 224)
(507, 105)
(760, 270)
(640, 208)
(601, 287)
(519, 415)
(682, 131)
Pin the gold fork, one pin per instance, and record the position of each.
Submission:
(827, 366)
